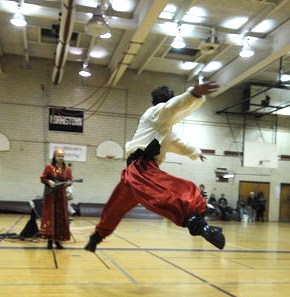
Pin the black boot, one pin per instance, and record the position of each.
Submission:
(214, 235)
(49, 244)
(197, 225)
(58, 245)
(94, 240)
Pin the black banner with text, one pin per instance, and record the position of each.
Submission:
(68, 120)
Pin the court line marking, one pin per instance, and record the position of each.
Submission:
(121, 269)
(185, 271)
(158, 249)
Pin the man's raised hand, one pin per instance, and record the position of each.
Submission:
(205, 88)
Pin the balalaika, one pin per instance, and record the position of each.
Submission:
(58, 184)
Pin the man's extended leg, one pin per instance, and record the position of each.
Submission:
(174, 198)
(120, 202)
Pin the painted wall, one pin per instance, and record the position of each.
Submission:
(113, 115)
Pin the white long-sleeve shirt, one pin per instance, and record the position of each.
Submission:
(157, 122)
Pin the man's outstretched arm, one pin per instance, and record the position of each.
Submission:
(182, 105)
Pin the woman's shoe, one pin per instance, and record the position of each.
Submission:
(49, 244)
(58, 245)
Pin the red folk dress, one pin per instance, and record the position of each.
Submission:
(55, 216)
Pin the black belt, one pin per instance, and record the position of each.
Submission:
(151, 151)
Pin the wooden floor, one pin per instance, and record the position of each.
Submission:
(148, 258)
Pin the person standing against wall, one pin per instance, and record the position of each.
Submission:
(242, 210)
(251, 206)
(260, 207)
(55, 217)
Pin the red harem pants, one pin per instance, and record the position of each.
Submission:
(171, 197)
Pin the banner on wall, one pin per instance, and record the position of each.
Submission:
(76, 153)
(67, 120)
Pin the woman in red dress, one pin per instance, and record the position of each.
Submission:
(55, 216)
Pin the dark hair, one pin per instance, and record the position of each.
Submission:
(161, 94)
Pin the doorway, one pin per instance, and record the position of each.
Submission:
(285, 203)
(246, 187)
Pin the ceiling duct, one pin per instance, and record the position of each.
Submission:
(209, 45)
(65, 33)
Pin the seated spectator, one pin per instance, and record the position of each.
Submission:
(213, 205)
(224, 208)
(203, 191)
(212, 200)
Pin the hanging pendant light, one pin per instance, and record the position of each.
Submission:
(97, 25)
(178, 41)
(18, 20)
(85, 72)
(246, 51)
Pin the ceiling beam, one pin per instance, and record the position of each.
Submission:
(150, 54)
(44, 13)
(177, 18)
(146, 15)
(241, 69)
(65, 32)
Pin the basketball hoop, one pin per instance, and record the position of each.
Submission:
(110, 157)
(109, 150)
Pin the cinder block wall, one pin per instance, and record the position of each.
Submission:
(26, 94)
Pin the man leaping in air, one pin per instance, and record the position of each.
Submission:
(142, 181)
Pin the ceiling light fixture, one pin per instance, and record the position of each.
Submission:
(178, 41)
(246, 51)
(85, 72)
(18, 20)
(97, 25)
(106, 35)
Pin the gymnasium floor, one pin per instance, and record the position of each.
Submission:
(148, 258)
